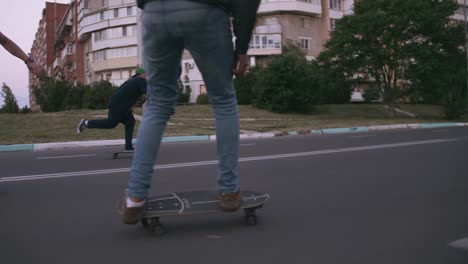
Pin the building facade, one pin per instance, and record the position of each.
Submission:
(108, 33)
(69, 53)
(43, 48)
(305, 23)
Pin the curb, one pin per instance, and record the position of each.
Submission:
(118, 142)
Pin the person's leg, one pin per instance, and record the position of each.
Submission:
(212, 48)
(162, 51)
(129, 122)
(111, 122)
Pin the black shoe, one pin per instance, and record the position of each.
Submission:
(81, 126)
(129, 149)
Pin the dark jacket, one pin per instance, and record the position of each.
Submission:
(243, 12)
(127, 95)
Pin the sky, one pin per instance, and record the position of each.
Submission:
(19, 21)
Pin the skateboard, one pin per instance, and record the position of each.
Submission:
(196, 202)
(116, 154)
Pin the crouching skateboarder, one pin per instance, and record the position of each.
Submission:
(203, 27)
(120, 108)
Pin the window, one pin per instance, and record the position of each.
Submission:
(124, 31)
(460, 10)
(129, 11)
(125, 74)
(187, 67)
(304, 43)
(102, 16)
(69, 49)
(267, 41)
(100, 35)
(99, 55)
(202, 89)
(116, 13)
(335, 4)
(332, 24)
(305, 22)
(271, 21)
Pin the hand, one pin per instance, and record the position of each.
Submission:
(35, 68)
(241, 62)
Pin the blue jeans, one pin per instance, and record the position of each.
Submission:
(169, 26)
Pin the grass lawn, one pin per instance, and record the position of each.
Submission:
(198, 120)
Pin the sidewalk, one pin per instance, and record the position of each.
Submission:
(244, 135)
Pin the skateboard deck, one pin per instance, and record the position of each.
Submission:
(116, 154)
(196, 202)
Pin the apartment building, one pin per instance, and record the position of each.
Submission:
(43, 46)
(107, 32)
(306, 23)
(69, 53)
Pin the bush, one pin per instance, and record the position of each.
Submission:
(25, 110)
(75, 96)
(97, 96)
(372, 93)
(287, 84)
(244, 86)
(203, 99)
(51, 94)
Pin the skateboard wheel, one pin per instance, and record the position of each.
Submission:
(159, 230)
(153, 225)
(250, 216)
(251, 220)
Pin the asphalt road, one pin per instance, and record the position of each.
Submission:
(396, 197)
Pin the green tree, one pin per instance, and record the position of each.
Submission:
(10, 105)
(244, 86)
(287, 84)
(335, 88)
(97, 96)
(439, 76)
(383, 39)
(51, 93)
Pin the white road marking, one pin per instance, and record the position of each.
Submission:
(251, 144)
(66, 157)
(214, 162)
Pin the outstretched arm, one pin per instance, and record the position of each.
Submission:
(16, 51)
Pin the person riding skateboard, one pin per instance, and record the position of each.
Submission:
(120, 108)
(16, 51)
(203, 27)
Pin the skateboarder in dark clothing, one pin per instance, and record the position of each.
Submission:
(120, 108)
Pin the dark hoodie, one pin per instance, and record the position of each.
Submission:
(243, 12)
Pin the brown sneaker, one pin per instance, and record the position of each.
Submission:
(229, 201)
(130, 215)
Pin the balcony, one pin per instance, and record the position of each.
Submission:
(265, 44)
(115, 42)
(113, 64)
(307, 7)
